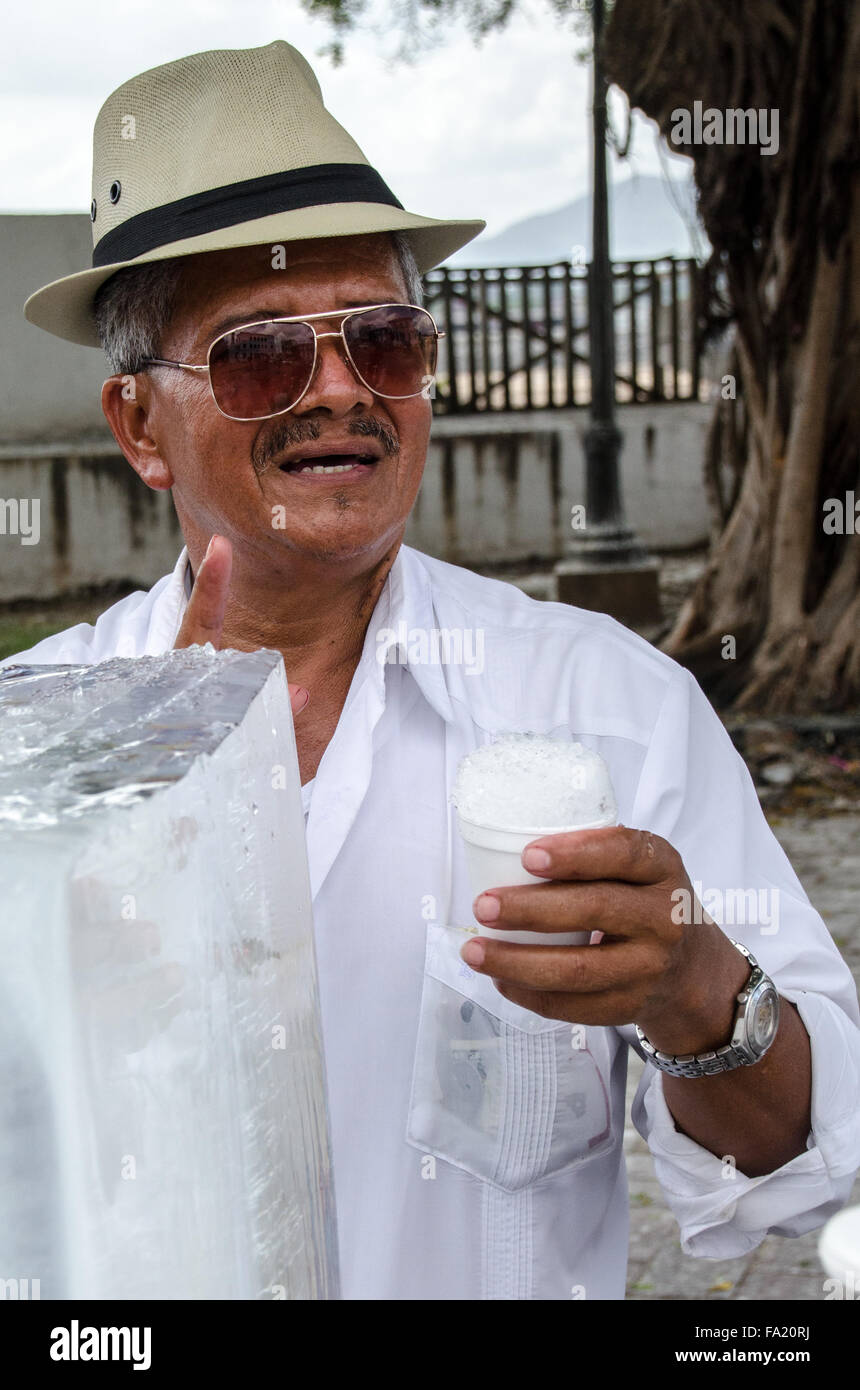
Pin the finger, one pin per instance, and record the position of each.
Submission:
(614, 908)
(298, 698)
(615, 851)
(204, 616)
(599, 1009)
(561, 969)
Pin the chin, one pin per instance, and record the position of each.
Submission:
(334, 550)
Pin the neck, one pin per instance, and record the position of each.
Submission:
(317, 620)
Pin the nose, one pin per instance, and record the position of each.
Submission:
(335, 388)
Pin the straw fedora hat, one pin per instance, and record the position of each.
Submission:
(232, 147)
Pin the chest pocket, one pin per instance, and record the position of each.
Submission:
(506, 1094)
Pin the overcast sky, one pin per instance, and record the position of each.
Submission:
(498, 131)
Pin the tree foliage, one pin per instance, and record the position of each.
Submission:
(786, 236)
(422, 22)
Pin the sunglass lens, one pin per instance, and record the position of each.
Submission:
(261, 369)
(393, 349)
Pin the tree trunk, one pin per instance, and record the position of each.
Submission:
(783, 577)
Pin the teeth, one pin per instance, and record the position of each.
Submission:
(326, 468)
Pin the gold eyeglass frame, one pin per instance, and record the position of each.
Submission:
(345, 315)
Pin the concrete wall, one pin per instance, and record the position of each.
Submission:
(500, 487)
(98, 523)
(497, 489)
(49, 389)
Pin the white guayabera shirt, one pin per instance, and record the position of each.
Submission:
(478, 1147)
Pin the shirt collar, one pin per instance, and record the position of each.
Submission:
(403, 621)
(169, 608)
(404, 616)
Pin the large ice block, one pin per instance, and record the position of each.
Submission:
(163, 1118)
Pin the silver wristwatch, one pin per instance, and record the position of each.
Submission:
(755, 1027)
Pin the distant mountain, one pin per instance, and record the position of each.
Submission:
(645, 222)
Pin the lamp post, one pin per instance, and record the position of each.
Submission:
(606, 567)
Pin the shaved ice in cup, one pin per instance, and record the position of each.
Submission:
(512, 791)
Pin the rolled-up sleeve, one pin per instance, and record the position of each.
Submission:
(706, 806)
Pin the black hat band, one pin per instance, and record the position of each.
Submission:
(241, 202)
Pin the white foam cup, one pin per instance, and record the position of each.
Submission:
(493, 857)
(839, 1250)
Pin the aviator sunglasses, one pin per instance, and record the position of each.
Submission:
(265, 368)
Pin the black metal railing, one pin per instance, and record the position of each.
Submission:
(517, 336)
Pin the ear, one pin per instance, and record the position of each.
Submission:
(125, 403)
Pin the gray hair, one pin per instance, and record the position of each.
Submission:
(133, 308)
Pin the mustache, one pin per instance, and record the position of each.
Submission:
(289, 433)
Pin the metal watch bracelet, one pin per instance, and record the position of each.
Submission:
(715, 1061)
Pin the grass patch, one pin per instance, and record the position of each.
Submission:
(27, 621)
(18, 634)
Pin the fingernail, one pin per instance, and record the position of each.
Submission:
(209, 547)
(487, 908)
(473, 953)
(536, 859)
(297, 709)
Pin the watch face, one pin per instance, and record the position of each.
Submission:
(764, 1017)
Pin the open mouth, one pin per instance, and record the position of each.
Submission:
(328, 463)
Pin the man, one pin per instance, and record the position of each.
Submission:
(476, 1091)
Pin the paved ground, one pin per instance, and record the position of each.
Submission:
(826, 855)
